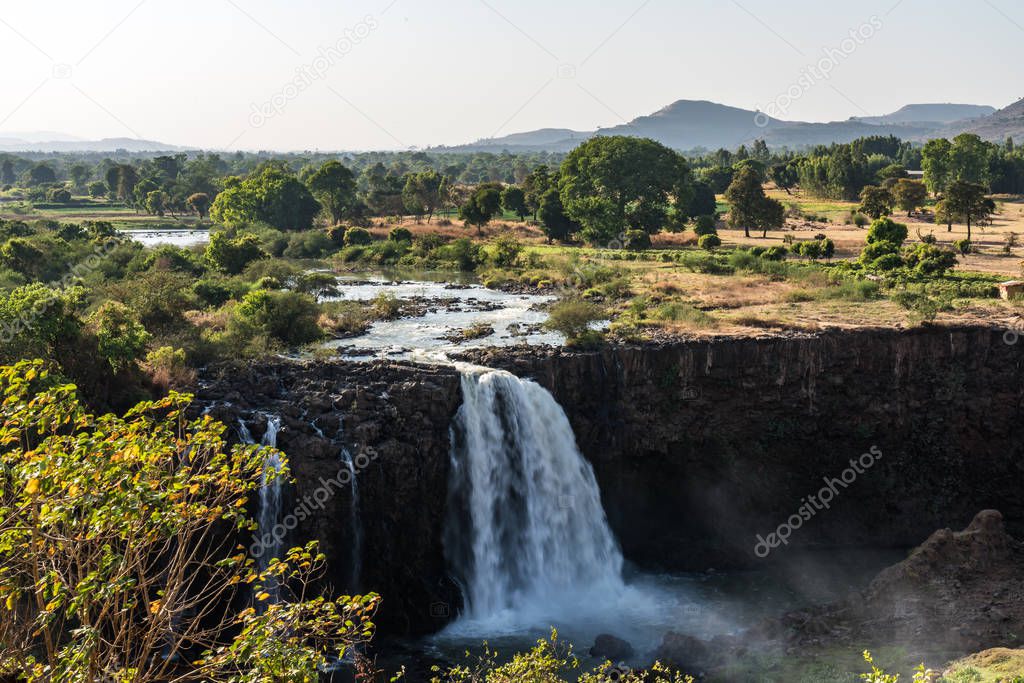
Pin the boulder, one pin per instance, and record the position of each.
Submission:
(612, 648)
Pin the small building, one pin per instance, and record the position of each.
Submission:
(1012, 289)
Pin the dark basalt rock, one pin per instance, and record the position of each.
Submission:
(698, 446)
(612, 648)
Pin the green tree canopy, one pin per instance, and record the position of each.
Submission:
(610, 183)
(334, 186)
(269, 195)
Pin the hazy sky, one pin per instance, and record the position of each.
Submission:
(386, 74)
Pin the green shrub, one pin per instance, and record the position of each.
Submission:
(963, 246)
(400, 235)
(357, 237)
(121, 336)
(309, 244)
(636, 240)
(232, 255)
(284, 316)
(573, 319)
(505, 250)
(678, 311)
(212, 293)
(709, 242)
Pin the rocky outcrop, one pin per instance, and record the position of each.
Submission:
(393, 418)
(701, 447)
(959, 592)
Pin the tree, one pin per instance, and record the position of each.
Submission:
(967, 200)
(232, 255)
(79, 174)
(771, 215)
(269, 194)
(118, 550)
(968, 159)
(481, 207)
(334, 186)
(888, 231)
(573, 318)
(121, 179)
(784, 176)
(892, 173)
(937, 165)
(41, 174)
(610, 183)
(909, 194)
(746, 198)
(7, 176)
(536, 185)
(200, 203)
(514, 199)
(97, 189)
(424, 192)
(156, 202)
(704, 202)
(555, 223)
(876, 201)
(121, 336)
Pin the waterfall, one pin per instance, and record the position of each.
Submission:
(526, 534)
(354, 519)
(269, 539)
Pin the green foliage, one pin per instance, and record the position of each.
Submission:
(232, 254)
(357, 236)
(705, 225)
(573, 319)
(887, 230)
(636, 240)
(514, 199)
(121, 336)
(611, 183)
(929, 260)
(283, 316)
(35, 320)
(876, 201)
(481, 207)
(270, 195)
(505, 250)
(709, 241)
(90, 505)
(554, 221)
(400, 235)
(334, 186)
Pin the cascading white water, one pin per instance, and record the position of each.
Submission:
(270, 496)
(526, 535)
(268, 540)
(354, 520)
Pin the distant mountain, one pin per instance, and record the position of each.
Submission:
(925, 114)
(13, 142)
(693, 124)
(1007, 122)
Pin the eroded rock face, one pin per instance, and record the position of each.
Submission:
(958, 592)
(393, 418)
(701, 446)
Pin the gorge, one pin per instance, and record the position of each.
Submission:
(723, 437)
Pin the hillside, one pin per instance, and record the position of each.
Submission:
(1007, 122)
(63, 143)
(918, 114)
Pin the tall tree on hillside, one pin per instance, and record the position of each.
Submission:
(334, 186)
(968, 200)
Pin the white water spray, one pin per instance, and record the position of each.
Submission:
(527, 535)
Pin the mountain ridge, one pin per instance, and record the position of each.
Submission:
(702, 124)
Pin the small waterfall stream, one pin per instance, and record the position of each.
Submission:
(526, 535)
(270, 541)
(354, 520)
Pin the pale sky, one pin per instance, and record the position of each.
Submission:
(221, 74)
